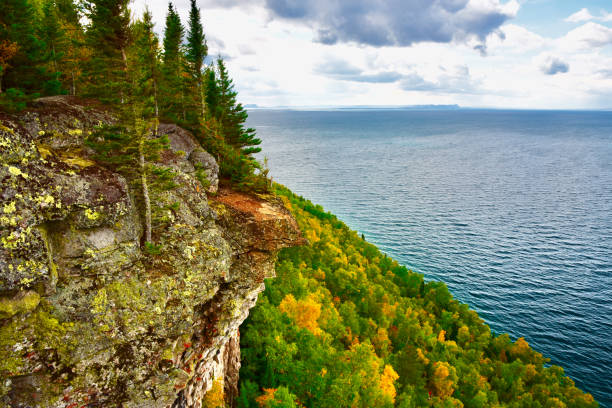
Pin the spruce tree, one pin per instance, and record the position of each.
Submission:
(172, 68)
(197, 50)
(147, 66)
(232, 115)
(22, 51)
(54, 38)
(108, 36)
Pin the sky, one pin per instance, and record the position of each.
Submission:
(525, 54)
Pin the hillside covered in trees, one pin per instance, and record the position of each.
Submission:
(344, 325)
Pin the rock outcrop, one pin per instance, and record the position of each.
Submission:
(87, 318)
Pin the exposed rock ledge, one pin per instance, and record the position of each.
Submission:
(85, 318)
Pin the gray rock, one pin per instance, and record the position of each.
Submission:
(205, 162)
(80, 295)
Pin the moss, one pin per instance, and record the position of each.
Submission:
(28, 340)
(24, 302)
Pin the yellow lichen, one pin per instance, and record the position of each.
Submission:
(15, 171)
(9, 208)
(44, 152)
(79, 162)
(92, 215)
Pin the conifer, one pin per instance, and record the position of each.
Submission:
(22, 50)
(232, 115)
(147, 66)
(173, 73)
(108, 37)
(54, 38)
(197, 50)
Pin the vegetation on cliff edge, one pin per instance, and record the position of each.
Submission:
(344, 325)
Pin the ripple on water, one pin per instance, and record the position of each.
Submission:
(511, 209)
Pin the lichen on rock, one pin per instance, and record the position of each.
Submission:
(87, 316)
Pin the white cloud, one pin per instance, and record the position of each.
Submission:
(515, 39)
(274, 61)
(587, 36)
(585, 15)
(580, 16)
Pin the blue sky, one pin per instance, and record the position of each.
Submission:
(530, 54)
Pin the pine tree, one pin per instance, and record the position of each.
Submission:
(197, 50)
(22, 50)
(232, 115)
(147, 65)
(212, 93)
(108, 36)
(172, 68)
(54, 38)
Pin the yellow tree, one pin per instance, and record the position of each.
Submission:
(304, 312)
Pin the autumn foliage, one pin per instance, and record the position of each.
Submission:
(343, 325)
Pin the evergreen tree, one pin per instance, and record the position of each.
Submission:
(172, 68)
(108, 37)
(21, 50)
(212, 93)
(147, 65)
(232, 115)
(54, 38)
(197, 50)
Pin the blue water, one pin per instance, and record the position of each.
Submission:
(511, 209)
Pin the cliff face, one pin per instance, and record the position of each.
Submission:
(88, 319)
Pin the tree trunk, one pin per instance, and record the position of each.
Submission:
(145, 190)
(125, 70)
(202, 100)
(54, 59)
(156, 125)
(73, 87)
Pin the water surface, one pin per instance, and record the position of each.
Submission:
(511, 209)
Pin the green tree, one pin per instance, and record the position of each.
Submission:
(55, 41)
(108, 37)
(173, 72)
(232, 115)
(197, 50)
(147, 65)
(22, 51)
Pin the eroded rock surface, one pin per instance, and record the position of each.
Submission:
(87, 318)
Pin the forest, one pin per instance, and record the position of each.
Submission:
(344, 325)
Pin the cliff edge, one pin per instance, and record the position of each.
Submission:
(87, 318)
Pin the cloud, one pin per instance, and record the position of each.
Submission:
(585, 15)
(457, 82)
(580, 16)
(246, 49)
(342, 70)
(396, 22)
(588, 36)
(605, 73)
(554, 66)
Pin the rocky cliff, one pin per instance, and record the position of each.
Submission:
(89, 319)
